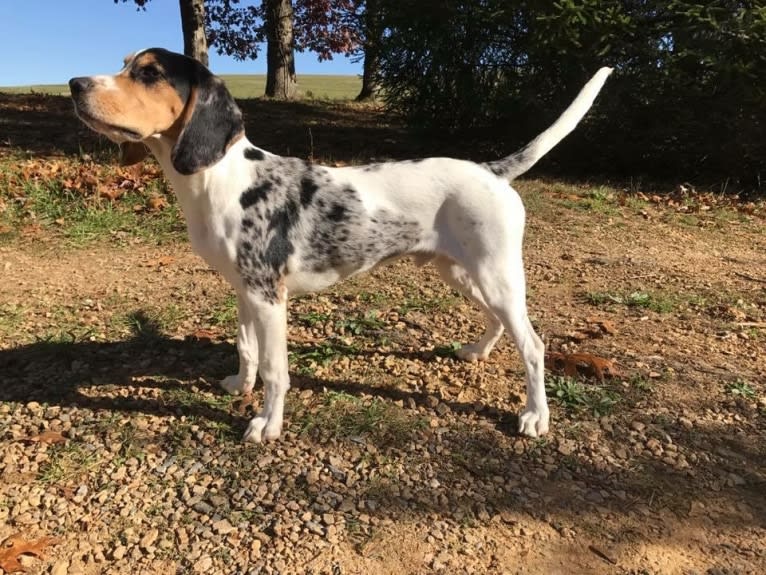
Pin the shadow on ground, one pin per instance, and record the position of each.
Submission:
(467, 456)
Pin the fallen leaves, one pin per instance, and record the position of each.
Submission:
(89, 179)
(596, 328)
(16, 546)
(48, 437)
(686, 199)
(581, 364)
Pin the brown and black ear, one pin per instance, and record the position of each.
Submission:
(132, 153)
(214, 121)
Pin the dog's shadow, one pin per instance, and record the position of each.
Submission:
(76, 372)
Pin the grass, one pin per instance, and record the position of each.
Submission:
(344, 416)
(424, 305)
(576, 397)
(370, 322)
(67, 462)
(306, 359)
(742, 389)
(48, 202)
(657, 302)
(226, 313)
(153, 322)
(310, 86)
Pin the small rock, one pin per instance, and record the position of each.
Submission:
(736, 479)
(119, 552)
(637, 426)
(223, 527)
(314, 527)
(60, 568)
(204, 564)
(312, 477)
(148, 540)
(202, 507)
(255, 549)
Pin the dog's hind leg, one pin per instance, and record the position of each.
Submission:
(458, 278)
(247, 347)
(505, 295)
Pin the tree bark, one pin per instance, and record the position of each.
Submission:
(372, 35)
(281, 82)
(193, 25)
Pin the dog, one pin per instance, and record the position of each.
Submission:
(275, 226)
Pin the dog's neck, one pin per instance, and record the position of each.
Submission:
(196, 187)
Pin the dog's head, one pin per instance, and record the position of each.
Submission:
(161, 94)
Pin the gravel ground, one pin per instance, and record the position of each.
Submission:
(397, 458)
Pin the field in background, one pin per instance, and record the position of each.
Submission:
(317, 86)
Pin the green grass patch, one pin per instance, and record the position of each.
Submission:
(226, 313)
(577, 397)
(149, 323)
(11, 318)
(344, 416)
(305, 360)
(657, 302)
(68, 462)
(426, 304)
(82, 201)
(367, 323)
(741, 388)
(313, 318)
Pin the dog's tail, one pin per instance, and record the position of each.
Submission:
(519, 162)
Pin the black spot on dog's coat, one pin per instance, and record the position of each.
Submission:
(255, 194)
(277, 252)
(254, 154)
(309, 188)
(337, 213)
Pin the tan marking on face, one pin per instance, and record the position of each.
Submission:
(131, 101)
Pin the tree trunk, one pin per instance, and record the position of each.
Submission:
(372, 34)
(193, 25)
(281, 82)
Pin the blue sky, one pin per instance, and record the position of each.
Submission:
(50, 41)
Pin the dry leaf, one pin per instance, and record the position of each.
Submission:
(248, 400)
(574, 364)
(50, 437)
(157, 203)
(161, 261)
(15, 546)
(204, 334)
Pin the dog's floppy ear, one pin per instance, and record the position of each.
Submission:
(212, 121)
(132, 153)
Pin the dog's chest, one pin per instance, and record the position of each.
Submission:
(213, 237)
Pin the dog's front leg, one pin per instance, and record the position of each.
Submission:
(270, 320)
(247, 347)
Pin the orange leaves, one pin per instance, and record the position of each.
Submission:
(16, 546)
(686, 199)
(50, 437)
(90, 179)
(583, 364)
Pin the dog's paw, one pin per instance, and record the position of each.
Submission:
(235, 385)
(262, 428)
(471, 353)
(534, 422)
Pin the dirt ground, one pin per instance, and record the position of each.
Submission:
(396, 457)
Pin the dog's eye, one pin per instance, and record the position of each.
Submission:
(152, 72)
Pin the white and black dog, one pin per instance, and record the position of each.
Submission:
(275, 226)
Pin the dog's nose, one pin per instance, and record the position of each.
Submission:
(79, 85)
